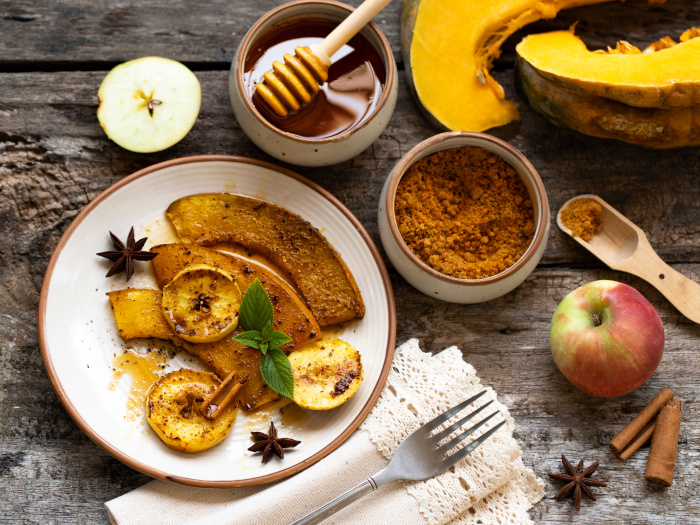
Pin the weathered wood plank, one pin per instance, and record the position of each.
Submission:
(79, 33)
(506, 340)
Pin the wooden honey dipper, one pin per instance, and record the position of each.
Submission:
(293, 83)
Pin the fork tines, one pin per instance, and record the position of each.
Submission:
(443, 434)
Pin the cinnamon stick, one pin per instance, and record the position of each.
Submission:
(211, 409)
(664, 444)
(639, 430)
(639, 440)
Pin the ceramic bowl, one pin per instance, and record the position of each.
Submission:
(293, 148)
(455, 289)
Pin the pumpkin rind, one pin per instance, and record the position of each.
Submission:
(606, 118)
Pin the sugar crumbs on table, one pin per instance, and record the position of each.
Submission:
(582, 217)
(465, 212)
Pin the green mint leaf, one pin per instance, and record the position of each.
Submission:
(266, 331)
(278, 339)
(276, 371)
(250, 338)
(256, 308)
(263, 348)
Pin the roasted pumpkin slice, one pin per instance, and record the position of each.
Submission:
(291, 314)
(668, 78)
(287, 240)
(138, 315)
(172, 411)
(201, 303)
(326, 374)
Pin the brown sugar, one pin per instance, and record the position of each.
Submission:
(582, 217)
(465, 212)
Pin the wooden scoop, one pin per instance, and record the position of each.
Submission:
(623, 246)
(293, 83)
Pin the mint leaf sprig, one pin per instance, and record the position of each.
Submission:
(256, 316)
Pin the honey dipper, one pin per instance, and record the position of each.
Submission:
(293, 83)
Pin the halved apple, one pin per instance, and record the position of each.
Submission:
(326, 374)
(173, 411)
(201, 303)
(148, 104)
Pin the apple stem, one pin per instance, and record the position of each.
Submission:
(597, 318)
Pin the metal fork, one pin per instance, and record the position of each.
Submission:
(418, 457)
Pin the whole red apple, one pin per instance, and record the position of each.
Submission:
(606, 338)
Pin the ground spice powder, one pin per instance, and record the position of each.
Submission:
(582, 217)
(465, 212)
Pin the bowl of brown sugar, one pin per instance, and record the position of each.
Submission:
(464, 217)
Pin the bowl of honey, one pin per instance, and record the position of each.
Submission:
(345, 116)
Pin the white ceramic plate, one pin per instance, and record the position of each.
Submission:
(78, 334)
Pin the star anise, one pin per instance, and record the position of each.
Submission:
(271, 444)
(577, 481)
(124, 256)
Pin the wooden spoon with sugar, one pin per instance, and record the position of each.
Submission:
(623, 246)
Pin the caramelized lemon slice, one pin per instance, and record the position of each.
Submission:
(172, 408)
(326, 374)
(201, 303)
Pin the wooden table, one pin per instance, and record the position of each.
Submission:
(54, 159)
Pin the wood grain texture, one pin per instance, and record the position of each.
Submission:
(54, 159)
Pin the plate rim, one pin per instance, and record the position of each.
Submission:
(157, 473)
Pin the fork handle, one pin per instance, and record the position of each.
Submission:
(338, 503)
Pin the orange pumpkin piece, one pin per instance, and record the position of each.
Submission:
(285, 239)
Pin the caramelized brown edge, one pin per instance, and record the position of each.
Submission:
(159, 474)
(268, 275)
(359, 307)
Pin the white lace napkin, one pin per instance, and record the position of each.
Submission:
(491, 485)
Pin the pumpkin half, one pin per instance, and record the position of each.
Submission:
(449, 47)
(667, 78)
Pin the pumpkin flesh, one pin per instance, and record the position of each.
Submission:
(668, 78)
(453, 44)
